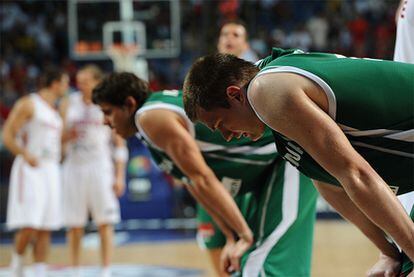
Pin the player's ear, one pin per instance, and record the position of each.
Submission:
(131, 104)
(235, 93)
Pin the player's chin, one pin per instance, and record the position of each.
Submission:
(120, 132)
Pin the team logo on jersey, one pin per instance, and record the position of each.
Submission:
(293, 154)
(232, 185)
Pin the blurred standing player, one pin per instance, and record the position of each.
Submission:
(233, 39)
(32, 132)
(90, 181)
(404, 43)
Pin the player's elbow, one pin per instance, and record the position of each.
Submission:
(7, 137)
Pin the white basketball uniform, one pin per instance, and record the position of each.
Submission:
(88, 171)
(35, 192)
(404, 52)
(404, 43)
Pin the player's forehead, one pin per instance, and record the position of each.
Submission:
(84, 75)
(233, 28)
(106, 107)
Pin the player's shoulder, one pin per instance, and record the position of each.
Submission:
(166, 99)
(25, 102)
(24, 107)
(270, 83)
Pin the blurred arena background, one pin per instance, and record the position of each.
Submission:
(158, 40)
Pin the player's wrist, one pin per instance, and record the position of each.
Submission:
(246, 236)
(24, 153)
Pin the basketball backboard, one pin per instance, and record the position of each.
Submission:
(151, 26)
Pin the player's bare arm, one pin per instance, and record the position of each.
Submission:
(339, 200)
(120, 160)
(20, 114)
(167, 130)
(294, 102)
(67, 134)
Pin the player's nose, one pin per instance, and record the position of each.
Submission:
(107, 121)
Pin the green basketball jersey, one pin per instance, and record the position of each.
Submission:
(240, 164)
(372, 101)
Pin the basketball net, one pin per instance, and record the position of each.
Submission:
(125, 59)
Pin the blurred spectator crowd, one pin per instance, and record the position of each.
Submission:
(34, 34)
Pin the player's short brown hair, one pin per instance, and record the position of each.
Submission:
(116, 87)
(206, 83)
(50, 75)
(95, 70)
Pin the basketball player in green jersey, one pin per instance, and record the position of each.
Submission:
(342, 121)
(281, 213)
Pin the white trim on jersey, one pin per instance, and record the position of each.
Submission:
(406, 135)
(382, 149)
(264, 213)
(257, 150)
(239, 160)
(290, 206)
(291, 69)
(163, 106)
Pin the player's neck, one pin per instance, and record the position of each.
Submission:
(86, 100)
(48, 96)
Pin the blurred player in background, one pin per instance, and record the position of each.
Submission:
(404, 42)
(32, 132)
(233, 39)
(91, 180)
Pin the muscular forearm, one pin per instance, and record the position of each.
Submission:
(341, 202)
(372, 195)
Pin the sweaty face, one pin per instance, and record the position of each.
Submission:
(119, 119)
(232, 39)
(234, 122)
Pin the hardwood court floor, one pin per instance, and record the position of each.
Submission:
(339, 250)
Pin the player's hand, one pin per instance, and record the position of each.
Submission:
(119, 188)
(411, 274)
(242, 245)
(31, 160)
(386, 266)
(225, 264)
